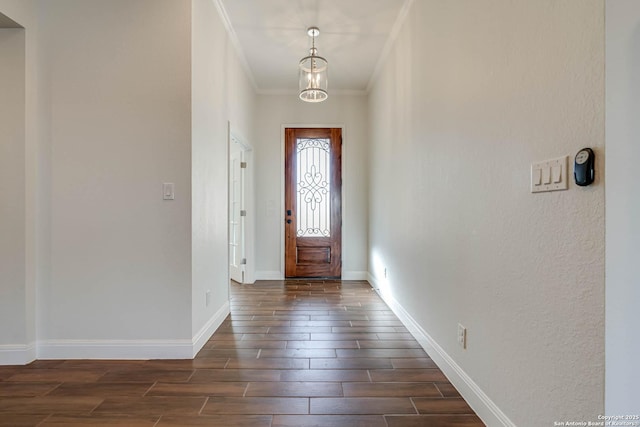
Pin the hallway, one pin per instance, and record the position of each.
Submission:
(292, 353)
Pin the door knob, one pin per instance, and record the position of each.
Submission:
(288, 221)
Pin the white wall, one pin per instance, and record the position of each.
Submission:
(119, 78)
(23, 180)
(221, 93)
(471, 95)
(100, 113)
(12, 187)
(274, 111)
(623, 207)
(93, 238)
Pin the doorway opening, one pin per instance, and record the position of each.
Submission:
(241, 217)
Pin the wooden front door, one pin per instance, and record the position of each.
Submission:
(313, 202)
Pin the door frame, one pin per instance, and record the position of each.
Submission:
(343, 128)
(234, 137)
(237, 232)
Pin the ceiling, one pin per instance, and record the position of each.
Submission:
(272, 37)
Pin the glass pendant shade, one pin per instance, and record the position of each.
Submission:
(313, 77)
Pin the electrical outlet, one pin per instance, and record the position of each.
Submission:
(385, 272)
(462, 336)
(207, 298)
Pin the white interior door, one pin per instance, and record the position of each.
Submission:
(236, 215)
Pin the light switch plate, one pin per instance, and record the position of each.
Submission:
(168, 191)
(550, 175)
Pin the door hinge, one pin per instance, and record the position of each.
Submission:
(243, 165)
(243, 261)
(243, 213)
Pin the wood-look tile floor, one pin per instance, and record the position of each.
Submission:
(292, 353)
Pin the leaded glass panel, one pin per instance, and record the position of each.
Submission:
(314, 187)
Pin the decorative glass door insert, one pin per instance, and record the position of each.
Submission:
(313, 158)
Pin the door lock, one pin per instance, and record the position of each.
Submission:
(288, 212)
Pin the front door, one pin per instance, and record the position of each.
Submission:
(313, 208)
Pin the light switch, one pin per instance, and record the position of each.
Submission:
(537, 177)
(168, 191)
(549, 175)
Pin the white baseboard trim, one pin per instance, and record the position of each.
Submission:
(17, 354)
(115, 349)
(277, 275)
(203, 335)
(269, 275)
(355, 275)
(486, 409)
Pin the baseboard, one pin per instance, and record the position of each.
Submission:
(269, 275)
(115, 349)
(17, 354)
(203, 335)
(486, 409)
(354, 275)
(277, 275)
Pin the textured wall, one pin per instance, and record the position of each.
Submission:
(472, 94)
(119, 76)
(24, 178)
(221, 93)
(12, 187)
(96, 115)
(623, 207)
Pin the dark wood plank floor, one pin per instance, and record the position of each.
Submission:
(294, 353)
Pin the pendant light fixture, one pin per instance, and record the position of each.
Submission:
(313, 73)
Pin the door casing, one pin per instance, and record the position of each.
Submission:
(235, 138)
(336, 250)
(237, 241)
(345, 143)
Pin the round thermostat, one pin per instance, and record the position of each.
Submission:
(582, 157)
